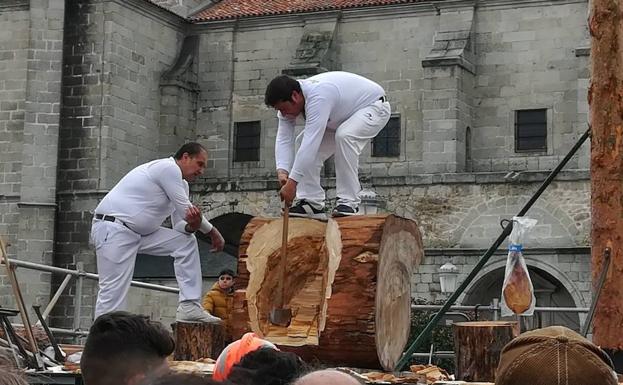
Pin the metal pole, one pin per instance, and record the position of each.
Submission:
(54, 299)
(496, 304)
(69, 332)
(60, 270)
(496, 307)
(597, 292)
(78, 298)
(485, 258)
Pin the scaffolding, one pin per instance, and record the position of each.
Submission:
(80, 275)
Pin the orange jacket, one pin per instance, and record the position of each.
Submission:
(219, 303)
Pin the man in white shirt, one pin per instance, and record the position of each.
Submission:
(342, 112)
(129, 219)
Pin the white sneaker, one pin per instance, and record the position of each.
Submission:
(192, 312)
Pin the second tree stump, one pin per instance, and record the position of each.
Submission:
(198, 340)
(477, 348)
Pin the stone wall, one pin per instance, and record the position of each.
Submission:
(31, 85)
(445, 70)
(115, 54)
(514, 57)
(14, 42)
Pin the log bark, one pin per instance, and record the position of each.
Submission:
(477, 348)
(348, 283)
(605, 100)
(194, 341)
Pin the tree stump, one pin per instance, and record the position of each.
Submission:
(198, 340)
(348, 284)
(477, 348)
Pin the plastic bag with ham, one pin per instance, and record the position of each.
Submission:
(517, 291)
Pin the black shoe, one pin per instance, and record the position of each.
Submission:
(344, 211)
(304, 209)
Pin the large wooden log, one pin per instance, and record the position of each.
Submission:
(198, 340)
(348, 283)
(606, 113)
(477, 348)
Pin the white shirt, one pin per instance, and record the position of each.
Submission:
(330, 99)
(147, 195)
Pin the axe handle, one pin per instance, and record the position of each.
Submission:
(283, 260)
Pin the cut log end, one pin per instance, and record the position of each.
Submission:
(400, 252)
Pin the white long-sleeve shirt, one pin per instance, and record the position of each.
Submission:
(147, 195)
(330, 99)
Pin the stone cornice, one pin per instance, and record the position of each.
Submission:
(77, 193)
(477, 178)
(9, 197)
(523, 3)
(503, 251)
(155, 12)
(390, 11)
(14, 5)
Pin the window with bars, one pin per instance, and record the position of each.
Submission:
(247, 141)
(387, 142)
(531, 130)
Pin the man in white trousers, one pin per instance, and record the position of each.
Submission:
(129, 219)
(342, 112)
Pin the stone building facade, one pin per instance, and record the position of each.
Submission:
(111, 84)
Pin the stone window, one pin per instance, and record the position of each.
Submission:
(387, 142)
(531, 130)
(247, 141)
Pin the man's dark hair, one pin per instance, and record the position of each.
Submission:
(267, 366)
(186, 379)
(121, 345)
(280, 90)
(192, 148)
(229, 272)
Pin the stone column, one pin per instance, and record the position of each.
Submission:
(447, 94)
(37, 201)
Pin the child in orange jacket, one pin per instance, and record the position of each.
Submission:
(219, 300)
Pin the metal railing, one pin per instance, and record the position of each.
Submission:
(80, 275)
(495, 308)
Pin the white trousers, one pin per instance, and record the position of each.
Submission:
(347, 143)
(116, 247)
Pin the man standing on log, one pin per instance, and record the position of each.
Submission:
(128, 220)
(342, 112)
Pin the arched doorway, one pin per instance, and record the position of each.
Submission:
(231, 226)
(548, 290)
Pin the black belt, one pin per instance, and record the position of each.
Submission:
(103, 217)
(383, 98)
(110, 218)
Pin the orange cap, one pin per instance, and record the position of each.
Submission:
(233, 353)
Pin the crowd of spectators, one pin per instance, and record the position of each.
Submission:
(129, 349)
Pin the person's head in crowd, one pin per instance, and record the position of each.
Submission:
(554, 355)
(10, 376)
(327, 376)
(226, 279)
(125, 349)
(233, 353)
(185, 379)
(7, 360)
(267, 366)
